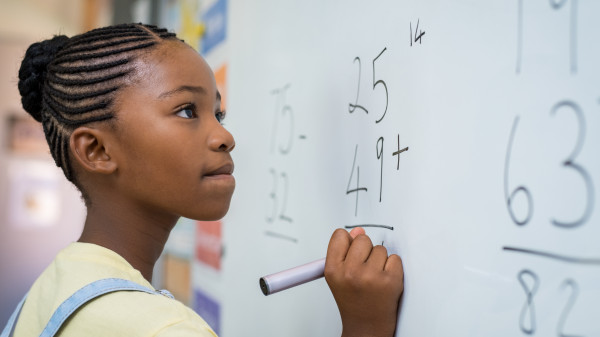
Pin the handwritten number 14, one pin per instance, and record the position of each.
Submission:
(418, 34)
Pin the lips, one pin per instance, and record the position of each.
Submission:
(226, 169)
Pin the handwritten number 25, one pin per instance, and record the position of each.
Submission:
(353, 106)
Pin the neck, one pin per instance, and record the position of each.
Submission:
(139, 236)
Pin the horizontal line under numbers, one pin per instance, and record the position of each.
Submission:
(554, 256)
(370, 225)
(281, 236)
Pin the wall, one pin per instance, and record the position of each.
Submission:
(40, 212)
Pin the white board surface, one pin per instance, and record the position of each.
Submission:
(494, 206)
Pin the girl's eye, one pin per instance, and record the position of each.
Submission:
(187, 112)
(220, 115)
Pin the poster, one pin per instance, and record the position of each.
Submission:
(34, 193)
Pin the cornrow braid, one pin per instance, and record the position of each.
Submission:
(68, 82)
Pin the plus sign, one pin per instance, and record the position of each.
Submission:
(397, 153)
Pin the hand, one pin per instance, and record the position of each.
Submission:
(365, 283)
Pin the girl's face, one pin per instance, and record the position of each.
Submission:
(174, 154)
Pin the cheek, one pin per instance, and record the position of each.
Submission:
(165, 162)
(153, 143)
(163, 167)
(153, 158)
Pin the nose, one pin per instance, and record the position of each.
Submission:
(221, 140)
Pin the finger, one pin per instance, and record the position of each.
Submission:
(394, 265)
(356, 231)
(378, 258)
(338, 246)
(359, 250)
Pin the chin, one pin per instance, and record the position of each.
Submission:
(211, 214)
(212, 218)
(209, 209)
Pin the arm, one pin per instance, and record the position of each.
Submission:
(365, 283)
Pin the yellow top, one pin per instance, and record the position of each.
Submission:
(122, 313)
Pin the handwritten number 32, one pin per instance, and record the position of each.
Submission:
(275, 198)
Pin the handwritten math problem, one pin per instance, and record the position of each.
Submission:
(462, 135)
(354, 185)
(376, 147)
(283, 136)
(528, 278)
(520, 199)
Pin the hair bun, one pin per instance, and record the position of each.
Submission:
(32, 73)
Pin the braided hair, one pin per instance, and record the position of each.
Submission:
(68, 82)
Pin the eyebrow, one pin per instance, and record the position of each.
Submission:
(183, 88)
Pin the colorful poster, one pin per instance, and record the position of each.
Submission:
(221, 79)
(208, 309)
(181, 239)
(26, 136)
(209, 243)
(183, 18)
(176, 277)
(34, 193)
(215, 20)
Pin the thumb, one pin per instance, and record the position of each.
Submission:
(356, 231)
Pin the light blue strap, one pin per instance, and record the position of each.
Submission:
(10, 326)
(86, 294)
(79, 298)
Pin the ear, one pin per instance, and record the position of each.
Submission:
(89, 149)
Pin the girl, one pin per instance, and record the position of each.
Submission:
(132, 117)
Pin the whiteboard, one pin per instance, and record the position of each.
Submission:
(494, 202)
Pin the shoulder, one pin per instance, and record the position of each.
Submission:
(121, 313)
(133, 313)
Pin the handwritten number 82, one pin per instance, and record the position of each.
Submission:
(530, 284)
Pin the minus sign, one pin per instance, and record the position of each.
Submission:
(370, 225)
(281, 236)
(302, 137)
